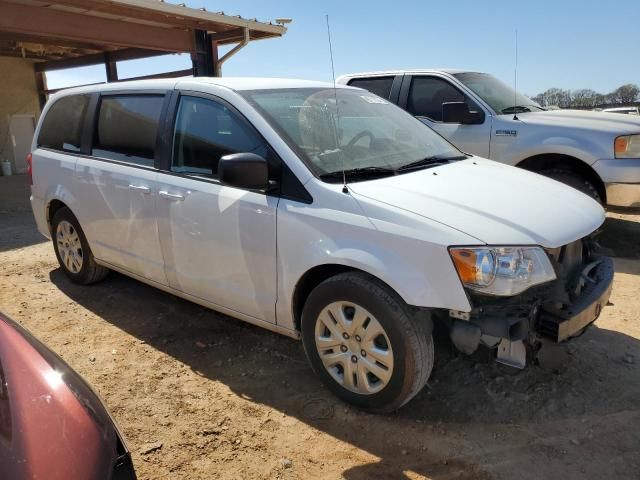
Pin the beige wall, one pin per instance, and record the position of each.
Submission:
(18, 95)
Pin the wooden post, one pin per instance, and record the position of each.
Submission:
(215, 65)
(41, 87)
(111, 68)
(205, 56)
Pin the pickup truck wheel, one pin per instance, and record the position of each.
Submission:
(365, 343)
(574, 180)
(72, 249)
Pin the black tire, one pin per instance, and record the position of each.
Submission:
(90, 271)
(409, 335)
(574, 180)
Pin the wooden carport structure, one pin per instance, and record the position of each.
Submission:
(59, 34)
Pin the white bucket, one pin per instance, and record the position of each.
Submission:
(6, 168)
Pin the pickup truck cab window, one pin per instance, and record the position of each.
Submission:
(206, 130)
(127, 128)
(428, 94)
(381, 86)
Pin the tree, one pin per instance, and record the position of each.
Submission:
(626, 93)
(584, 97)
(587, 98)
(539, 99)
(557, 97)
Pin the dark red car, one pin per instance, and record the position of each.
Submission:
(52, 424)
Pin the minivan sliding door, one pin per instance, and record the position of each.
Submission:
(117, 184)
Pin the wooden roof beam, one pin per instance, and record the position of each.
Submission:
(98, 58)
(52, 41)
(47, 22)
(28, 55)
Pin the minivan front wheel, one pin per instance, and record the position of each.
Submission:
(365, 343)
(72, 249)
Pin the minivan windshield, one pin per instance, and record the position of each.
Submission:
(348, 130)
(502, 98)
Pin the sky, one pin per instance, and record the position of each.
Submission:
(568, 44)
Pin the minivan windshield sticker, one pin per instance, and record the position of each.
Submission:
(506, 133)
(372, 99)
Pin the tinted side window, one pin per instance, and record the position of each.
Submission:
(427, 94)
(127, 128)
(207, 130)
(62, 127)
(381, 86)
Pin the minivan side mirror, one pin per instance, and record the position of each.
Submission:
(244, 170)
(458, 112)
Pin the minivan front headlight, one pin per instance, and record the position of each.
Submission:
(502, 271)
(627, 146)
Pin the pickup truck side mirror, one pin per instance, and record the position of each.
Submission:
(244, 170)
(458, 112)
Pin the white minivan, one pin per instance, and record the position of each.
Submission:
(326, 214)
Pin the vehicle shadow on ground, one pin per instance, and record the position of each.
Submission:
(622, 237)
(13, 233)
(17, 225)
(455, 428)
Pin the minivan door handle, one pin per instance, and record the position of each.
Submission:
(140, 188)
(171, 196)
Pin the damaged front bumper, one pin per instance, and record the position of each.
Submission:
(553, 312)
(559, 324)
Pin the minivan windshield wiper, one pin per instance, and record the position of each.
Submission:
(429, 162)
(360, 172)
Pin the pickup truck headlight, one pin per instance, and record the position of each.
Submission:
(627, 146)
(502, 271)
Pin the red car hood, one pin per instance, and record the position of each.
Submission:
(52, 425)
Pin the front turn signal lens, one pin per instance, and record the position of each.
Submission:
(627, 146)
(475, 267)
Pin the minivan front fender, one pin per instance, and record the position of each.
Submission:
(421, 274)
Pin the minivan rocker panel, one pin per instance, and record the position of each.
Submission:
(354, 228)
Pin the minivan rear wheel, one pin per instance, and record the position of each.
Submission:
(366, 343)
(72, 249)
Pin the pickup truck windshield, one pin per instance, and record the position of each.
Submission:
(502, 98)
(363, 134)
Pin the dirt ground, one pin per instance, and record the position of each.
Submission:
(200, 395)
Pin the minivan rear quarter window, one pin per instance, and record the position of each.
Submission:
(381, 86)
(62, 126)
(127, 128)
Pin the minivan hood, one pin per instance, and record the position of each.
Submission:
(616, 123)
(493, 202)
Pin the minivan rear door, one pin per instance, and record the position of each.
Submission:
(219, 242)
(117, 184)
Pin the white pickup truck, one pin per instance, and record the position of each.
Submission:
(597, 153)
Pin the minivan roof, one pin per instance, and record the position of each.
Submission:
(233, 83)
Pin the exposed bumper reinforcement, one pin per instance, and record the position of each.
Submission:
(562, 324)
